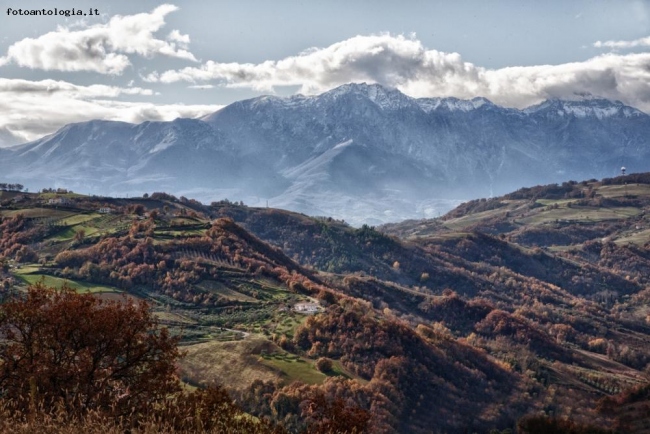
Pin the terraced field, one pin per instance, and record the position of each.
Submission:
(30, 275)
(578, 214)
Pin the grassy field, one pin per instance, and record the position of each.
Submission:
(579, 214)
(622, 190)
(37, 212)
(55, 195)
(69, 232)
(179, 233)
(560, 202)
(234, 363)
(294, 368)
(639, 238)
(91, 224)
(462, 222)
(287, 323)
(223, 291)
(70, 222)
(30, 276)
(179, 221)
(164, 316)
(80, 218)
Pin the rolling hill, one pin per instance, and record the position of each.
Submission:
(531, 303)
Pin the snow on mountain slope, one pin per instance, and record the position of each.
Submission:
(360, 152)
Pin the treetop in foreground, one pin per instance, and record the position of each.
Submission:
(60, 347)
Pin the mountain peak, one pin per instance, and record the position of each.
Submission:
(586, 106)
(385, 97)
(363, 88)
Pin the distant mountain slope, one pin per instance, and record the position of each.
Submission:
(359, 152)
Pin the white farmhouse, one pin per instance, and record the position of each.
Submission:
(306, 307)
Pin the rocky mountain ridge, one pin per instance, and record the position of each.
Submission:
(360, 152)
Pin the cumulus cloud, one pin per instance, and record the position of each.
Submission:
(101, 48)
(403, 62)
(31, 109)
(176, 36)
(641, 42)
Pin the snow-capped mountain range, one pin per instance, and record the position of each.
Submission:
(359, 152)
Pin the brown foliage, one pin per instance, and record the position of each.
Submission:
(324, 364)
(208, 411)
(546, 425)
(14, 237)
(173, 268)
(404, 369)
(77, 350)
(334, 416)
(337, 406)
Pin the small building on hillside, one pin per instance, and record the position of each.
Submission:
(106, 210)
(306, 307)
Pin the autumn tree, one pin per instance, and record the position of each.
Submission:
(324, 364)
(325, 416)
(137, 209)
(79, 236)
(60, 347)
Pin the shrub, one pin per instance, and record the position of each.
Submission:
(324, 364)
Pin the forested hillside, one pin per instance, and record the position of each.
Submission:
(529, 308)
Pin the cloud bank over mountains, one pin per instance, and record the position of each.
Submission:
(31, 109)
(403, 62)
(106, 50)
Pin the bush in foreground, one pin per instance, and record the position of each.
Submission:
(60, 348)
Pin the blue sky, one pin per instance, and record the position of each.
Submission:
(150, 60)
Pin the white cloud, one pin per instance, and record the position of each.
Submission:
(403, 62)
(201, 86)
(641, 42)
(18, 87)
(31, 109)
(101, 48)
(176, 36)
